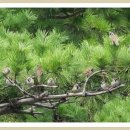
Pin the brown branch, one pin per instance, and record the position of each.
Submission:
(49, 105)
(6, 107)
(5, 110)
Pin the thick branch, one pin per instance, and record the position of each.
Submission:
(6, 107)
(45, 105)
(41, 86)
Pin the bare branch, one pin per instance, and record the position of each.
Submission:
(44, 105)
(19, 87)
(41, 86)
(41, 99)
(104, 91)
(87, 79)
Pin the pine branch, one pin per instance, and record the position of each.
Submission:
(6, 107)
(41, 86)
(87, 79)
(20, 88)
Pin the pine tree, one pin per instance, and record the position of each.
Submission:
(65, 42)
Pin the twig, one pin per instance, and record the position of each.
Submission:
(19, 87)
(28, 112)
(41, 85)
(87, 79)
(103, 91)
(50, 105)
(45, 105)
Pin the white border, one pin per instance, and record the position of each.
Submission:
(42, 124)
(63, 5)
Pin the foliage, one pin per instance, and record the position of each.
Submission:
(73, 112)
(66, 42)
(45, 117)
(116, 110)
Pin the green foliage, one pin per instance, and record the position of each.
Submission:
(123, 56)
(96, 21)
(46, 116)
(66, 42)
(9, 118)
(116, 110)
(14, 19)
(73, 112)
